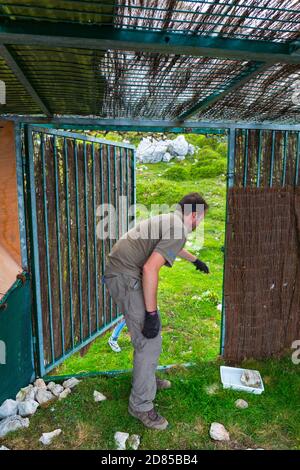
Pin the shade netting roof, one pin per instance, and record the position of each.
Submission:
(152, 59)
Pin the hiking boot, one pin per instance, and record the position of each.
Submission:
(162, 384)
(151, 419)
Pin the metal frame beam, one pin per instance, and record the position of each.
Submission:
(84, 36)
(15, 68)
(135, 125)
(250, 72)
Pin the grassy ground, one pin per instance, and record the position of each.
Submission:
(270, 422)
(191, 333)
(187, 299)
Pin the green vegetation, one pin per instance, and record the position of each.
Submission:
(187, 299)
(188, 302)
(270, 422)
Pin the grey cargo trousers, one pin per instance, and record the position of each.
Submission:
(127, 292)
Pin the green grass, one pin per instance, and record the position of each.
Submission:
(270, 422)
(191, 333)
(187, 298)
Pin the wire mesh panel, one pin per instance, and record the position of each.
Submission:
(262, 282)
(70, 178)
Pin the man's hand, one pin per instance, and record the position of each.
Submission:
(201, 266)
(151, 324)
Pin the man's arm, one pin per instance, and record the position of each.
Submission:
(150, 280)
(184, 254)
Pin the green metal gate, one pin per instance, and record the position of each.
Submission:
(68, 177)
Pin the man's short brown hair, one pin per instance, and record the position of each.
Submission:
(193, 202)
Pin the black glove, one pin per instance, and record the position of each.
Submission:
(151, 324)
(201, 266)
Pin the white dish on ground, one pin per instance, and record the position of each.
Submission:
(231, 378)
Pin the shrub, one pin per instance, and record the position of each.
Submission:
(222, 149)
(177, 173)
(209, 170)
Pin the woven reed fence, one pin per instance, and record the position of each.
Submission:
(262, 269)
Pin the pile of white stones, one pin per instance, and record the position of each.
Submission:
(151, 150)
(14, 414)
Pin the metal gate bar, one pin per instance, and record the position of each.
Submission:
(68, 176)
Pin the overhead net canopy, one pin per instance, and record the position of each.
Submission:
(173, 60)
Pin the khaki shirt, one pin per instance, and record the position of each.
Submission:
(165, 234)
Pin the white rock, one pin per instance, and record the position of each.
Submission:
(120, 440)
(180, 158)
(167, 157)
(8, 408)
(152, 151)
(71, 383)
(178, 146)
(218, 432)
(191, 149)
(219, 307)
(250, 378)
(99, 396)
(43, 396)
(12, 423)
(27, 407)
(40, 383)
(23, 393)
(50, 386)
(65, 393)
(242, 404)
(57, 390)
(47, 437)
(134, 442)
(4, 448)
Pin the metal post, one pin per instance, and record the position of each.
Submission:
(259, 158)
(34, 248)
(230, 183)
(57, 214)
(246, 151)
(21, 200)
(272, 159)
(85, 170)
(78, 240)
(95, 236)
(69, 238)
(102, 234)
(109, 216)
(285, 145)
(297, 160)
(48, 263)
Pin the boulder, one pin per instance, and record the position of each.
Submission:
(178, 146)
(218, 432)
(27, 393)
(120, 440)
(47, 437)
(242, 404)
(8, 408)
(43, 396)
(65, 393)
(40, 384)
(57, 390)
(99, 396)
(167, 157)
(71, 383)
(12, 423)
(134, 442)
(27, 407)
